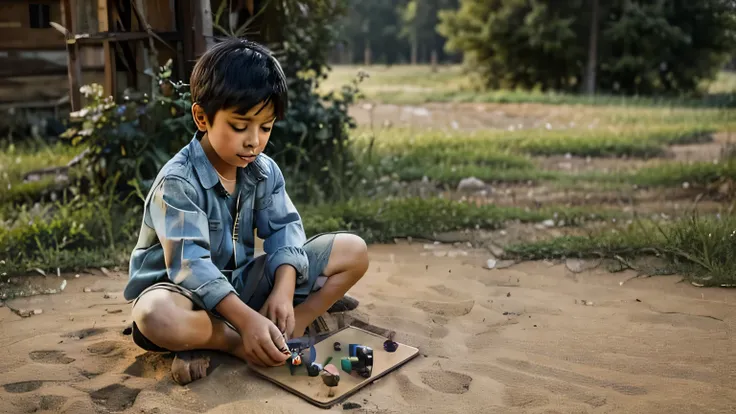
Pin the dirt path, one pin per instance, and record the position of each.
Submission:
(533, 338)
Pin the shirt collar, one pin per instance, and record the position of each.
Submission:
(207, 173)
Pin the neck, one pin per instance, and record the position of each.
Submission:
(224, 169)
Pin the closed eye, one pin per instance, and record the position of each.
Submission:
(236, 129)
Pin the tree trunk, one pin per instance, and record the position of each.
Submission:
(367, 53)
(414, 48)
(590, 71)
(433, 60)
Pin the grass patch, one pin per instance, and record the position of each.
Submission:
(417, 84)
(451, 175)
(78, 231)
(16, 161)
(505, 149)
(702, 248)
(384, 220)
(666, 174)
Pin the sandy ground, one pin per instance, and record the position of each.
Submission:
(532, 338)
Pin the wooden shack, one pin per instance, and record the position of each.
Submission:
(49, 48)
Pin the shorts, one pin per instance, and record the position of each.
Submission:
(318, 249)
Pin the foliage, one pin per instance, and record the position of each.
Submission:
(136, 137)
(312, 144)
(544, 44)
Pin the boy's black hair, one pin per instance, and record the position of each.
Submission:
(237, 73)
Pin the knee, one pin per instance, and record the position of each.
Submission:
(356, 253)
(150, 315)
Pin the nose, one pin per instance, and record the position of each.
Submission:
(252, 140)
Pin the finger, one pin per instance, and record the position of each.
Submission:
(280, 341)
(281, 322)
(276, 343)
(290, 322)
(253, 359)
(264, 356)
(264, 310)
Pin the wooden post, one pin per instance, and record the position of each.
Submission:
(203, 39)
(186, 28)
(103, 25)
(74, 69)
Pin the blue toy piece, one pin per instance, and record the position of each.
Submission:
(297, 346)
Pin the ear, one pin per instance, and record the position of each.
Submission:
(200, 117)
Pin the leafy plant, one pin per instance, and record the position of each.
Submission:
(136, 137)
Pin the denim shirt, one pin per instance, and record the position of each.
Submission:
(186, 236)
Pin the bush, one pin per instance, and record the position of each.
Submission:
(135, 138)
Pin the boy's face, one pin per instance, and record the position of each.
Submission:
(237, 138)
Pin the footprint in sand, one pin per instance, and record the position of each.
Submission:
(50, 357)
(447, 382)
(105, 348)
(115, 397)
(51, 402)
(21, 387)
(446, 308)
(84, 333)
(34, 404)
(448, 292)
(150, 365)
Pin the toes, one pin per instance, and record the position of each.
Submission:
(188, 367)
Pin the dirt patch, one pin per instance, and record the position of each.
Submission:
(490, 330)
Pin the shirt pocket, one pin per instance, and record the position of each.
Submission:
(263, 198)
(217, 234)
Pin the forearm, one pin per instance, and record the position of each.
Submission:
(285, 280)
(236, 312)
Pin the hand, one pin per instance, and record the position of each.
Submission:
(264, 344)
(279, 309)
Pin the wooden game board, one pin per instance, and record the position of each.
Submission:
(315, 391)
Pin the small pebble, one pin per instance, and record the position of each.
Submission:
(87, 290)
(128, 330)
(37, 311)
(106, 295)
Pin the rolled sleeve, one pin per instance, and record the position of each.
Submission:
(280, 226)
(183, 231)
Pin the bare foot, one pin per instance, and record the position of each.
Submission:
(189, 366)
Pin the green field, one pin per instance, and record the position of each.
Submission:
(610, 146)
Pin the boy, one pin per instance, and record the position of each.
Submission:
(193, 276)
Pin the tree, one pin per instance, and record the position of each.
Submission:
(633, 47)
(419, 26)
(372, 29)
(589, 80)
(516, 43)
